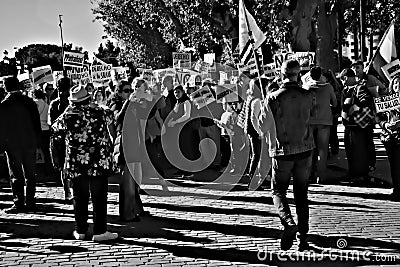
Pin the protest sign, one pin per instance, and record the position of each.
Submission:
(181, 60)
(147, 75)
(227, 92)
(387, 103)
(57, 75)
(42, 75)
(306, 59)
(160, 73)
(101, 73)
(72, 59)
(25, 81)
(202, 97)
(120, 73)
(223, 77)
(210, 59)
(390, 70)
(184, 77)
(270, 71)
(79, 75)
(201, 66)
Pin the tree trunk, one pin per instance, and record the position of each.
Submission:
(327, 26)
(301, 23)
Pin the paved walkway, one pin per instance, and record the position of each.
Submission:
(200, 223)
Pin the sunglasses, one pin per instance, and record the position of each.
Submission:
(127, 91)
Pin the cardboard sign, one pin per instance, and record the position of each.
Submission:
(72, 59)
(228, 92)
(181, 60)
(101, 73)
(210, 59)
(79, 75)
(147, 75)
(160, 73)
(57, 75)
(390, 70)
(223, 77)
(387, 103)
(184, 77)
(42, 75)
(202, 97)
(306, 59)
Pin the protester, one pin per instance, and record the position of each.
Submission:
(170, 100)
(358, 121)
(56, 108)
(129, 135)
(99, 98)
(389, 121)
(321, 121)
(88, 132)
(226, 123)
(40, 99)
(20, 133)
(291, 150)
(51, 94)
(180, 129)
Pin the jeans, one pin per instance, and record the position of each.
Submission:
(98, 188)
(393, 153)
(320, 153)
(282, 171)
(22, 167)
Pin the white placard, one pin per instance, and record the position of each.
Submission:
(387, 103)
(101, 73)
(390, 70)
(228, 92)
(202, 97)
(42, 75)
(72, 59)
(181, 60)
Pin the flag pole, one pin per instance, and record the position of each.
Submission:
(254, 51)
(379, 45)
(62, 45)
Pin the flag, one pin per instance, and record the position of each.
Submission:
(384, 54)
(248, 24)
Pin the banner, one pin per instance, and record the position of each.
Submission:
(72, 59)
(228, 92)
(390, 70)
(202, 97)
(101, 73)
(79, 75)
(42, 75)
(306, 59)
(181, 60)
(160, 73)
(387, 103)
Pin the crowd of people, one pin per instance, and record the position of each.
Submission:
(279, 129)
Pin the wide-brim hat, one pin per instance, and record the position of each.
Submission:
(78, 93)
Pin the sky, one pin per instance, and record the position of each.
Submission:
(24, 22)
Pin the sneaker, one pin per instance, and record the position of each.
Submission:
(302, 243)
(289, 233)
(78, 236)
(104, 237)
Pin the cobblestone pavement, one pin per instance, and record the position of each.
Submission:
(208, 226)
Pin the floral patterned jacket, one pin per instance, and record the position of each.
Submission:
(88, 143)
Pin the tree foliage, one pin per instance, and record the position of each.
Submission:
(108, 53)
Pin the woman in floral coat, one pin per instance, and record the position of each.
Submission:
(88, 137)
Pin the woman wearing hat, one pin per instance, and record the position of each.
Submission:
(88, 138)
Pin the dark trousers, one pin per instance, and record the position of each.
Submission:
(130, 203)
(357, 146)
(45, 145)
(98, 188)
(255, 144)
(393, 152)
(282, 170)
(225, 150)
(371, 147)
(333, 137)
(22, 168)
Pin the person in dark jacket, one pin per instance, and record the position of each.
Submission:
(56, 108)
(20, 135)
(291, 152)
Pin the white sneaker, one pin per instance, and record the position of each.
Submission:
(106, 236)
(78, 236)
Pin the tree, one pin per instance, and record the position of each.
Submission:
(109, 53)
